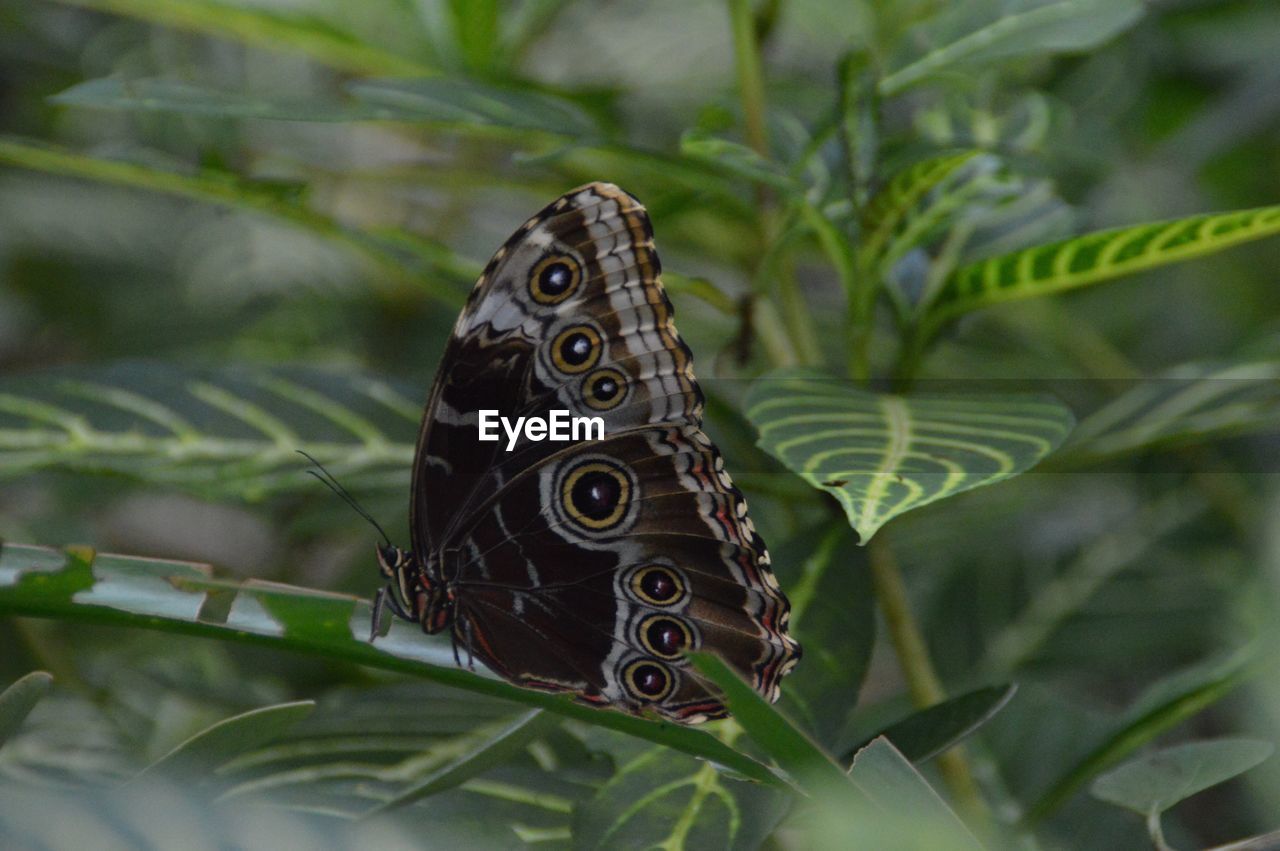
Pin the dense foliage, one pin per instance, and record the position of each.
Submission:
(1010, 505)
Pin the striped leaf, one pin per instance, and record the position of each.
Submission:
(895, 200)
(657, 799)
(881, 455)
(1094, 258)
(217, 433)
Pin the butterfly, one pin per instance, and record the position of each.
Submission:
(586, 567)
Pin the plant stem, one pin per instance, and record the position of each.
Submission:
(1157, 832)
(746, 56)
(922, 680)
(791, 304)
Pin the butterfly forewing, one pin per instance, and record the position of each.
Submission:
(590, 566)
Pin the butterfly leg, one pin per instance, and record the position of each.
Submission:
(379, 601)
(471, 658)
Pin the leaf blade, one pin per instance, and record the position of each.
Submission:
(183, 597)
(887, 779)
(17, 701)
(803, 760)
(924, 734)
(1163, 705)
(228, 738)
(1154, 782)
(510, 740)
(882, 455)
(1026, 28)
(1094, 258)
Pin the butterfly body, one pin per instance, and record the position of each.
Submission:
(587, 566)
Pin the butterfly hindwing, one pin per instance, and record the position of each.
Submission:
(631, 552)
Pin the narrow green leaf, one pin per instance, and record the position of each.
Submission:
(1162, 706)
(476, 32)
(415, 268)
(736, 159)
(806, 763)
(161, 95)
(1154, 782)
(928, 732)
(206, 750)
(1194, 402)
(1094, 258)
(504, 744)
(469, 102)
(261, 27)
(17, 701)
(184, 598)
(904, 798)
(1021, 28)
(882, 455)
(168, 815)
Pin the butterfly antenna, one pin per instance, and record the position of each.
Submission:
(328, 480)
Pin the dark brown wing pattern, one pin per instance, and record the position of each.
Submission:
(589, 567)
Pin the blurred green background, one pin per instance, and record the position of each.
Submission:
(200, 198)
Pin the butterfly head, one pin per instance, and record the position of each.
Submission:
(411, 592)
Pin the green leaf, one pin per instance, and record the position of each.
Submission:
(204, 751)
(1117, 545)
(186, 598)
(833, 617)
(736, 159)
(261, 27)
(161, 95)
(1194, 402)
(1094, 258)
(891, 205)
(165, 815)
(905, 799)
(1021, 28)
(472, 103)
(231, 432)
(882, 455)
(1154, 782)
(476, 32)
(494, 751)
(1163, 705)
(806, 763)
(17, 701)
(365, 747)
(411, 260)
(928, 732)
(657, 799)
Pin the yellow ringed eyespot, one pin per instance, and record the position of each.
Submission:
(596, 494)
(648, 680)
(604, 389)
(554, 279)
(576, 349)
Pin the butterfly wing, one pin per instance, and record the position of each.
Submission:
(597, 570)
(590, 567)
(566, 315)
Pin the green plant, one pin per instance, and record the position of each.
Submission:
(250, 236)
